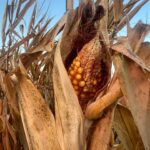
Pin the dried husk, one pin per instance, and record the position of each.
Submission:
(135, 86)
(99, 137)
(68, 114)
(38, 120)
(126, 129)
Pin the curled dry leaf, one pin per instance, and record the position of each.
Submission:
(4, 22)
(12, 118)
(38, 120)
(69, 4)
(117, 9)
(133, 46)
(51, 34)
(104, 22)
(20, 15)
(6, 139)
(144, 52)
(137, 35)
(131, 14)
(32, 19)
(126, 129)
(95, 109)
(68, 114)
(125, 50)
(7, 87)
(46, 43)
(29, 57)
(68, 32)
(136, 89)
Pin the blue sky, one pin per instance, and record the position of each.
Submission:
(57, 9)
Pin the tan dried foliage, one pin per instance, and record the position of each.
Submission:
(101, 134)
(69, 117)
(126, 129)
(38, 121)
(39, 108)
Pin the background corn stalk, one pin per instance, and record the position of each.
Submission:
(39, 107)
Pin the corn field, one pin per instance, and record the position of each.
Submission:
(57, 87)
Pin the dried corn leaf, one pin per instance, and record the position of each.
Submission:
(51, 34)
(11, 132)
(69, 117)
(19, 3)
(4, 22)
(47, 42)
(82, 1)
(38, 121)
(7, 87)
(16, 34)
(41, 20)
(130, 5)
(137, 35)
(125, 49)
(6, 140)
(14, 47)
(38, 42)
(135, 44)
(136, 89)
(144, 52)
(69, 4)
(29, 57)
(126, 129)
(131, 14)
(70, 30)
(32, 19)
(20, 14)
(100, 138)
(117, 9)
(104, 22)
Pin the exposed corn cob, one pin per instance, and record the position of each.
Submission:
(85, 72)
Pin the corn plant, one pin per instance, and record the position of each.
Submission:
(57, 87)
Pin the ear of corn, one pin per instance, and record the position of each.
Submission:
(86, 71)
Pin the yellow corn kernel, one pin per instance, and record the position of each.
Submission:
(75, 82)
(78, 76)
(82, 83)
(72, 72)
(80, 70)
(77, 63)
(75, 68)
